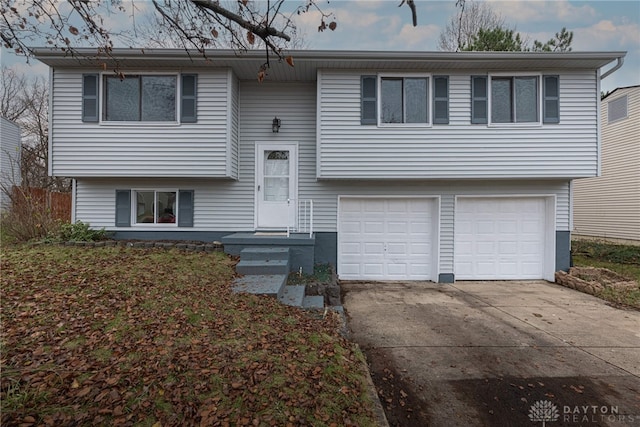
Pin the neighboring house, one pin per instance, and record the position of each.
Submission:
(10, 151)
(421, 165)
(608, 206)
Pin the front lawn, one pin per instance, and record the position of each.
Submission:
(125, 336)
(622, 259)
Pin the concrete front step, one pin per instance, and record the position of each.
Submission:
(260, 253)
(271, 285)
(261, 267)
(313, 302)
(292, 295)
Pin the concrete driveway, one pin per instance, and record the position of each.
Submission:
(514, 353)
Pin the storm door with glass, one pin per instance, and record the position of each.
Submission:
(276, 185)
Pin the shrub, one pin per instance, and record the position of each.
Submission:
(79, 232)
(28, 217)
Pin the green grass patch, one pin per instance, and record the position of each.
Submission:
(622, 259)
(321, 274)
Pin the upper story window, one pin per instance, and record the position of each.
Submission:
(404, 100)
(520, 99)
(139, 98)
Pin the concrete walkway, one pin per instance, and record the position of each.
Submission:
(494, 353)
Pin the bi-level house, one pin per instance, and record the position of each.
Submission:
(399, 165)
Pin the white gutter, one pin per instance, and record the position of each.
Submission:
(614, 69)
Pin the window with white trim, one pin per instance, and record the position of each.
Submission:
(143, 98)
(404, 100)
(517, 99)
(139, 98)
(155, 207)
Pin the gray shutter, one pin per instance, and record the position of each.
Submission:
(185, 208)
(90, 97)
(441, 100)
(551, 99)
(479, 104)
(123, 208)
(188, 100)
(368, 107)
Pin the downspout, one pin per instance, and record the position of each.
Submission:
(614, 69)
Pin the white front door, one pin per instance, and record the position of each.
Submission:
(276, 185)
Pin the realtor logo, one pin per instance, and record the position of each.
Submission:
(543, 411)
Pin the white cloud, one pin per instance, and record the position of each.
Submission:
(526, 11)
(423, 37)
(608, 35)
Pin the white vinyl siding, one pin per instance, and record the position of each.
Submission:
(460, 150)
(227, 205)
(608, 206)
(112, 149)
(10, 151)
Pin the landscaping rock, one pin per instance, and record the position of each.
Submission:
(593, 280)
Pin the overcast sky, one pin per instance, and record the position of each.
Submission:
(382, 25)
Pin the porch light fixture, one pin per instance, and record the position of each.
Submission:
(275, 125)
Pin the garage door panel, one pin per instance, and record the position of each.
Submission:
(395, 242)
(373, 206)
(499, 238)
(351, 249)
(351, 226)
(373, 248)
(485, 248)
(372, 270)
(397, 249)
(397, 269)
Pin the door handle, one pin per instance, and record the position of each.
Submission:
(258, 187)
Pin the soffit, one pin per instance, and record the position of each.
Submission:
(307, 63)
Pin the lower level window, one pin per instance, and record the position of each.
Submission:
(155, 207)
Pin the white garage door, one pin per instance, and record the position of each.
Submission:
(501, 238)
(387, 238)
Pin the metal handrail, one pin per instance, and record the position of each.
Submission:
(304, 216)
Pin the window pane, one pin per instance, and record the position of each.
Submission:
(501, 100)
(166, 210)
(276, 163)
(276, 189)
(391, 100)
(123, 99)
(526, 99)
(144, 206)
(158, 98)
(416, 100)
